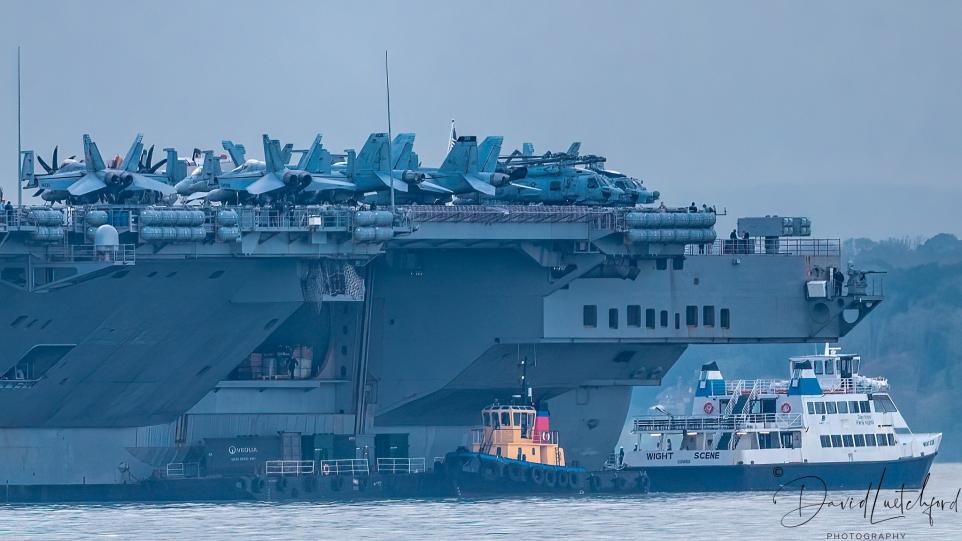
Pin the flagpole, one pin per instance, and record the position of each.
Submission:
(19, 143)
(390, 139)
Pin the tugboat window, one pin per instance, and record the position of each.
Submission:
(505, 418)
(590, 315)
(517, 419)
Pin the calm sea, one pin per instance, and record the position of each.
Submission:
(679, 516)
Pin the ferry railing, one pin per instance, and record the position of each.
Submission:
(289, 467)
(17, 383)
(345, 466)
(763, 246)
(852, 385)
(764, 386)
(727, 422)
(183, 469)
(400, 465)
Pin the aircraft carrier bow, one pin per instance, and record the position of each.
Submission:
(139, 336)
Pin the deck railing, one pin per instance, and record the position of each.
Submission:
(729, 422)
(289, 467)
(345, 466)
(400, 465)
(763, 246)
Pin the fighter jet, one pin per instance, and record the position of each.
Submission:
(371, 170)
(273, 178)
(92, 179)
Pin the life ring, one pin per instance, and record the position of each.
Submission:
(546, 437)
(786, 407)
(537, 476)
(326, 469)
(709, 407)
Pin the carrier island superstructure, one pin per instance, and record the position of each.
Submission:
(133, 338)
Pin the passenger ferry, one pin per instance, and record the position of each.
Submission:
(827, 421)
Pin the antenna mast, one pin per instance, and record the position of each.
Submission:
(390, 137)
(19, 144)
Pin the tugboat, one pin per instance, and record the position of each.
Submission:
(514, 450)
(826, 421)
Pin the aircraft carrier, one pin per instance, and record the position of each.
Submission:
(124, 355)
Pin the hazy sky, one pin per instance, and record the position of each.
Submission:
(847, 112)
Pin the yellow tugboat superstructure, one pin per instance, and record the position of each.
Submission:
(517, 432)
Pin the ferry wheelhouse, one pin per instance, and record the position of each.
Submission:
(827, 420)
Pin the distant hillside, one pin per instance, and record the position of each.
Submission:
(914, 338)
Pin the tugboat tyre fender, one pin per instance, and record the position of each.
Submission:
(574, 479)
(550, 478)
(618, 483)
(516, 473)
(537, 476)
(563, 479)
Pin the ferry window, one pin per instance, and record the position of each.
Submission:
(505, 418)
(853, 406)
(591, 315)
(843, 407)
(725, 317)
(883, 404)
(788, 439)
(830, 408)
(864, 407)
(820, 408)
(859, 440)
(677, 320)
(829, 367)
(836, 440)
(882, 441)
(847, 440)
(811, 408)
(708, 316)
(891, 439)
(870, 440)
(613, 318)
(650, 318)
(634, 315)
(818, 368)
(517, 419)
(664, 318)
(826, 441)
(691, 316)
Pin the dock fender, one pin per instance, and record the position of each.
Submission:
(550, 478)
(594, 482)
(537, 475)
(642, 482)
(336, 483)
(618, 483)
(256, 485)
(310, 483)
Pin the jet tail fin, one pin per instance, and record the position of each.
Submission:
(176, 169)
(211, 164)
(463, 157)
(237, 152)
(373, 155)
(132, 158)
(488, 153)
(401, 150)
(527, 149)
(273, 155)
(92, 158)
(574, 149)
(317, 159)
(27, 176)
